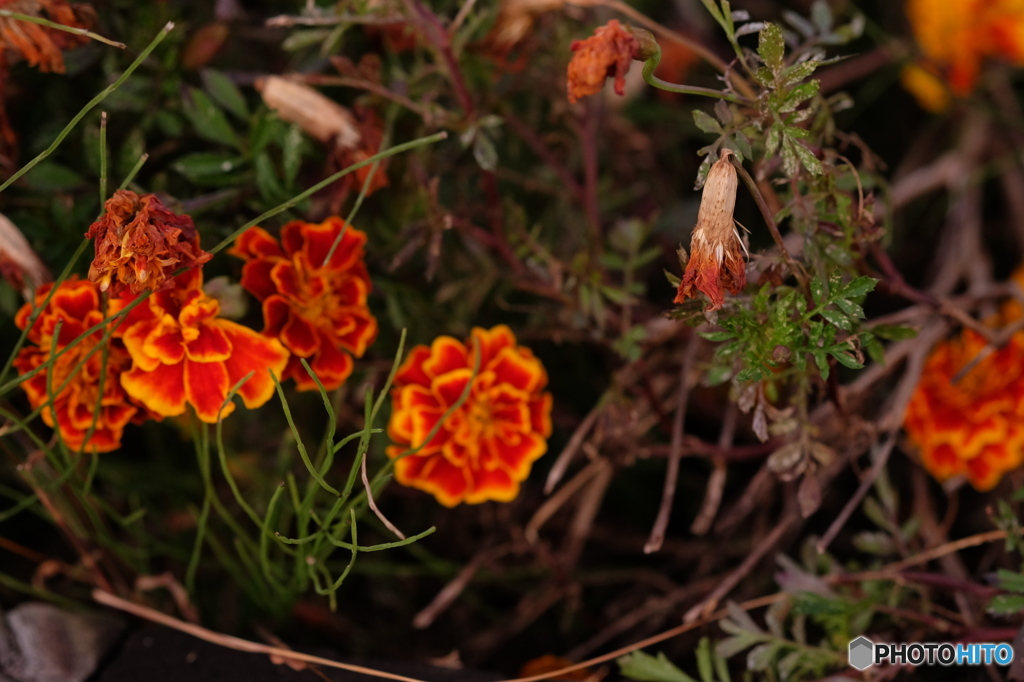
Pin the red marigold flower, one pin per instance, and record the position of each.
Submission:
(140, 243)
(716, 260)
(317, 309)
(607, 53)
(485, 449)
(957, 36)
(76, 306)
(183, 353)
(975, 427)
(40, 45)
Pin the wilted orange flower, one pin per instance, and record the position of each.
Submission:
(485, 449)
(716, 260)
(608, 52)
(957, 36)
(140, 243)
(76, 306)
(183, 353)
(975, 427)
(40, 45)
(371, 134)
(318, 310)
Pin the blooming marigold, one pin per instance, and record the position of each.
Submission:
(608, 52)
(318, 310)
(40, 45)
(975, 427)
(184, 353)
(957, 36)
(76, 307)
(485, 448)
(716, 251)
(139, 244)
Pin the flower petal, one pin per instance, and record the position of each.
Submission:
(206, 387)
(161, 390)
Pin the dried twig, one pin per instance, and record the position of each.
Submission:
(373, 505)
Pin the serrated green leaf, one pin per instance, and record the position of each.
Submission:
(705, 122)
(846, 359)
(819, 290)
(771, 47)
(1006, 605)
(646, 668)
(822, 362)
(225, 93)
(798, 72)
(808, 159)
(799, 95)
(859, 287)
(1010, 580)
(838, 319)
(850, 308)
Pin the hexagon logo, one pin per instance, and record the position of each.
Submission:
(862, 653)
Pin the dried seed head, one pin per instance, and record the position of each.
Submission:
(716, 260)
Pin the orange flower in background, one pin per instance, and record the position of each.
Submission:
(183, 353)
(956, 37)
(318, 310)
(974, 428)
(140, 243)
(40, 45)
(371, 134)
(76, 307)
(716, 262)
(607, 53)
(485, 448)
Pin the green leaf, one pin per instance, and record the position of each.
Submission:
(760, 657)
(860, 287)
(838, 319)
(49, 176)
(225, 93)
(672, 278)
(646, 668)
(715, 337)
(772, 140)
(267, 181)
(798, 72)
(798, 95)
(712, 7)
(1006, 605)
(846, 359)
(822, 362)
(1010, 580)
(209, 122)
(705, 122)
(704, 665)
(892, 332)
(808, 159)
(819, 290)
(874, 347)
(771, 46)
(208, 167)
(850, 308)
(790, 162)
(292, 145)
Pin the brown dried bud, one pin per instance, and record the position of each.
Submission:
(607, 53)
(140, 243)
(323, 118)
(716, 260)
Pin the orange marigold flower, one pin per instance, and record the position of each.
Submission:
(716, 260)
(183, 353)
(40, 45)
(139, 244)
(975, 427)
(317, 309)
(485, 448)
(76, 307)
(957, 36)
(607, 53)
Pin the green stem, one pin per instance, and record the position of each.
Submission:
(652, 63)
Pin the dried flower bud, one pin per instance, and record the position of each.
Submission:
(140, 243)
(323, 118)
(608, 52)
(716, 260)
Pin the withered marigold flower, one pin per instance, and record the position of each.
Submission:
(40, 45)
(317, 309)
(716, 262)
(140, 243)
(76, 307)
(371, 135)
(975, 427)
(607, 53)
(957, 36)
(485, 448)
(184, 354)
